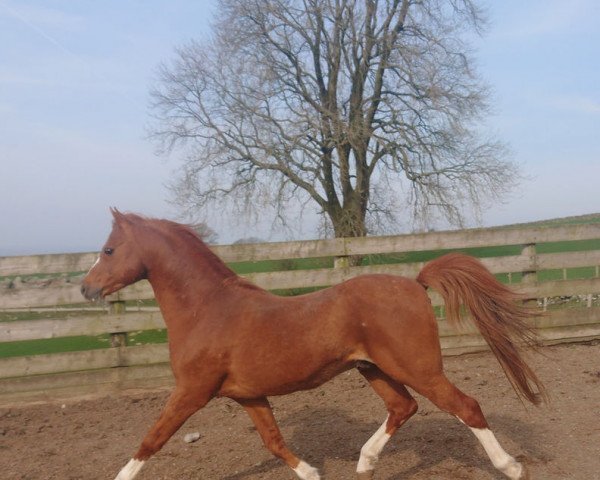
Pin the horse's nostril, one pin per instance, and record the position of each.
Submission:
(87, 292)
(90, 292)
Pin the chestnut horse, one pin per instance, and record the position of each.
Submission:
(230, 338)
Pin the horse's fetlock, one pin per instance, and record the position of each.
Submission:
(368, 457)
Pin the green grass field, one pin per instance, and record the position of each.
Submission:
(67, 344)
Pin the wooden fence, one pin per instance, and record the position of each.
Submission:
(52, 281)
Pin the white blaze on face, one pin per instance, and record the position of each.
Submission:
(129, 471)
(95, 263)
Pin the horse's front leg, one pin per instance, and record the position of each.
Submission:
(261, 414)
(182, 403)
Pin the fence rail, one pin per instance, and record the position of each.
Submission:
(51, 281)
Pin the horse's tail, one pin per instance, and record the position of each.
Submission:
(463, 280)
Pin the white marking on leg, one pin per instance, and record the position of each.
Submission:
(369, 453)
(129, 471)
(500, 459)
(306, 472)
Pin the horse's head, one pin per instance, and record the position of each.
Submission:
(119, 263)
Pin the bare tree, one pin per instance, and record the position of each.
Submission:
(370, 109)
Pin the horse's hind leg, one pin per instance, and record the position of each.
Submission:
(261, 414)
(450, 399)
(400, 405)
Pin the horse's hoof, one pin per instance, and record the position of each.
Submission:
(525, 474)
(306, 472)
(368, 475)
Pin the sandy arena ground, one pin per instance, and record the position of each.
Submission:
(93, 439)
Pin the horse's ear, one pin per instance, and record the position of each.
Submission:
(119, 218)
(116, 214)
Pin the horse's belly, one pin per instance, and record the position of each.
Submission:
(280, 380)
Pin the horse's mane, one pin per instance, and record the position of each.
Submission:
(193, 239)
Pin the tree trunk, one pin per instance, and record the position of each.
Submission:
(349, 221)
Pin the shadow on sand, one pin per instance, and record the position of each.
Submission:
(329, 433)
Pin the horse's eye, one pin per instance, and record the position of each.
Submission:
(108, 251)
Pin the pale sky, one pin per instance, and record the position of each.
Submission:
(74, 82)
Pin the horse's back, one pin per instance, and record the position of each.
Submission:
(390, 297)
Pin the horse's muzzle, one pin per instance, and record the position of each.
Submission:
(91, 293)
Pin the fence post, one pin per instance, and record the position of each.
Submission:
(118, 339)
(530, 275)
(343, 260)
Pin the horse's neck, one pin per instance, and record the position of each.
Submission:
(183, 285)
